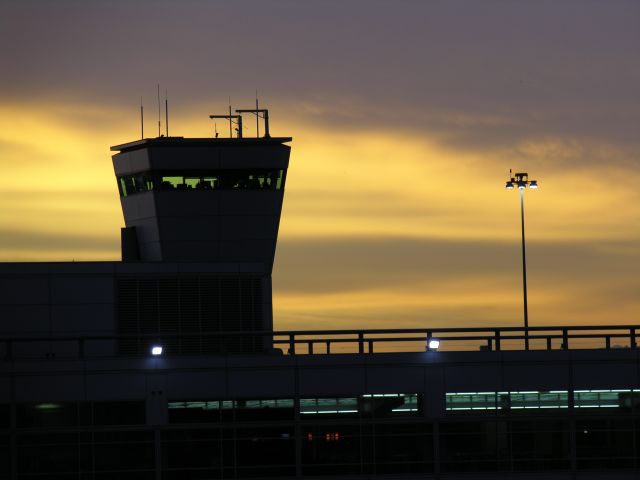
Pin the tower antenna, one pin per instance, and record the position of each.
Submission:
(158, 110)
(141, 119)
(259, 113)
(166, 113)
(230, 120)
(257, 117)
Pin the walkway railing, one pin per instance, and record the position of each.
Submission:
(319, 342)
(461, 339)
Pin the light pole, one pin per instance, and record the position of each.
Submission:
(521, 180)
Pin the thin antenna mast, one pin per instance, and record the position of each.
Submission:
(158, 110)
(141, 119)
(233, 119)
(230, 120)
(166, 114)
(257, 117)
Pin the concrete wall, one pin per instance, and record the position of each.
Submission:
(431, 374)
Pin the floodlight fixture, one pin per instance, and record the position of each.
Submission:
(156, 350)
(433, 344)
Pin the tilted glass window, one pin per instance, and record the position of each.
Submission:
(260, 179)
(138, 183)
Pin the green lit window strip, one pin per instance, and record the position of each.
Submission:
(619, 398)
(507, 400)
(231, 404)
(351, 405)
(555, 399)
(410, 400)
(308, 406)
(319, 406)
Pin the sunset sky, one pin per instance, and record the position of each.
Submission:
(406, 117)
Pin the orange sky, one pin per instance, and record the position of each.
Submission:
(391, 218)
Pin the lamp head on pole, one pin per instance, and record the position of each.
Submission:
(520, 180)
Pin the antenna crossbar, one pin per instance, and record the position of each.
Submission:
(233, 120)
(260, 113)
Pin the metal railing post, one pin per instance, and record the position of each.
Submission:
(632, 338)
(565, 339)
(360, 342)
(497, 340)
(292, 344)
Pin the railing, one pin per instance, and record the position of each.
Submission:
(315, 342)
(463, 339)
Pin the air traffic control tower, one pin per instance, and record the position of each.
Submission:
(209, 204)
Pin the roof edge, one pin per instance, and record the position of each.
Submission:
(182, 141)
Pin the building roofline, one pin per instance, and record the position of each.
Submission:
(197, 142)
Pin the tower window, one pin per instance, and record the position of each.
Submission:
(219, 180)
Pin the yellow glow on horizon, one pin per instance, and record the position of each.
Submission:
(59, 202)
(357, 184)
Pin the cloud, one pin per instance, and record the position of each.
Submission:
(352, 264)
(400, 282)
(29, 245)
(473, 75)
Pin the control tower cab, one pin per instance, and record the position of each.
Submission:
(201, 199)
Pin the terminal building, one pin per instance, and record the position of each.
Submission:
(165, 365)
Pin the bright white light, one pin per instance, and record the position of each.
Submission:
(433, 344)
(156, 350)
(533, 184)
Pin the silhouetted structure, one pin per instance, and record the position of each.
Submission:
(165, 365)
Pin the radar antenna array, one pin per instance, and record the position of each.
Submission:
(260, 113)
